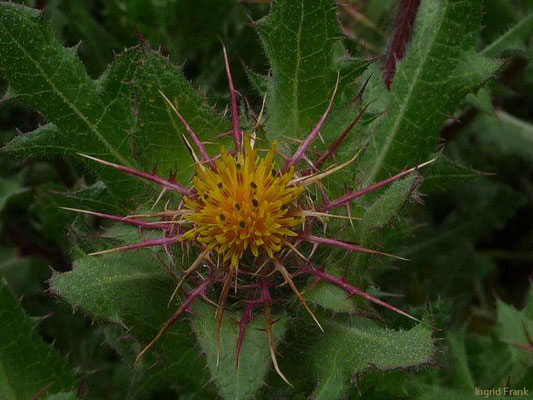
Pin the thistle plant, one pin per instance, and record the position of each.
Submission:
(255, 231)
(243, 214)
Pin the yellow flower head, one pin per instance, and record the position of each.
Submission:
(243, 203)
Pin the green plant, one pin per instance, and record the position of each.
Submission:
(142, 148)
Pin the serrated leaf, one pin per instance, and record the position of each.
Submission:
(42, 142)
(439, 69)
(299, 38)
(132, 289)
(254, 358)
(513, 38)
(27, 363)
(345, 349)
(51, 79)
(159, 131)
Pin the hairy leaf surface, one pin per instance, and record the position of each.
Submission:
(131, 289)
(440, 68)
(299, 38)
(27, 363)
(51, 79)
(244, 382)
(344, 350)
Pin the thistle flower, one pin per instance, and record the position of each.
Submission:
(245, 214)
(242, 203)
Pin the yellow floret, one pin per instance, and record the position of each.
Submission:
(244, 203)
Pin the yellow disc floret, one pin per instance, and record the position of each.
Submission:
(243, 203)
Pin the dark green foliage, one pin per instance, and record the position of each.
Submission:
(27, 364)
(254, 359)
(159, 131)
(461, 94)
(440, 68)
(347, 350)
(52, 80)
(299, 38)
(131, 290)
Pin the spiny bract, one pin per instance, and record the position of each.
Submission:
(244, 214)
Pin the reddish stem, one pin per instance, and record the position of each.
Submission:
(405, 18)
(348, 197)
(168, 184)
(243, 324)
(191, 297)
(300, 152)
(141, 245)
(340, 244)
(333, 148)
(119, 218)
(352, 290)
(199, 144)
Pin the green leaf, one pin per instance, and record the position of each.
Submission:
(62, 396)
(386, 207)
(254, 357)
(42, 142)
(478, 208)
(131, 289)
(10, 186)
(27, 363)
(440, 68)
(462, 376)
(514, 328)
(344, 350)
(328, 296)
(514, 37)
(446, 173)
(94, 197)
(159, 131)
(299, 38)
(505, 134)
(51, 79)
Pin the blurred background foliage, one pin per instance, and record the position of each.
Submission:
(470, 244)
